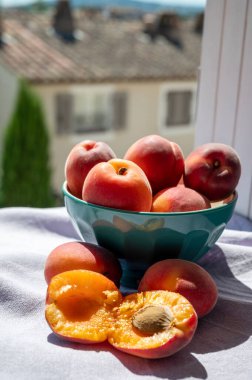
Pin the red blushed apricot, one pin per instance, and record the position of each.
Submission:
(224, 201)
(82, 255)
(214, 170)
(153, 324)
(184, 277)
(161, 160)
(118, 184)
(79, 305)
(81, 159)
(179, 199)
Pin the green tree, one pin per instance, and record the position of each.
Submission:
(26, 174)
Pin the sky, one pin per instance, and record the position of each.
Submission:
(172, 2)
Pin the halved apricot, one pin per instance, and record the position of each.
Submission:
(153, 324)
(79, 305)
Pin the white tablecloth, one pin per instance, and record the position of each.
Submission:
(221, 348)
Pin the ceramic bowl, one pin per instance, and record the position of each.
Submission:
(139, 239)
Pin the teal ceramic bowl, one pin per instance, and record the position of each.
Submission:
(140, 239)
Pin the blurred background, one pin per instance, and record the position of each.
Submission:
(111, 71)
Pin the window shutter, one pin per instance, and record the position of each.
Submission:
(64, 113)
(119, 104)
(179, 108)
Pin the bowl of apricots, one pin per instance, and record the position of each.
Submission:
(153, 203)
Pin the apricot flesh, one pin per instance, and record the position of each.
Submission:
(125, 337)
(184, 277)
(79, 305)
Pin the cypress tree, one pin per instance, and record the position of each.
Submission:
(26, 174)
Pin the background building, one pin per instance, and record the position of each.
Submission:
(101, 77)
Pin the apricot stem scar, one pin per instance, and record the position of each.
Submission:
(122, 171)
(216, 164)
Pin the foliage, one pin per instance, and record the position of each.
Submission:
(26, 174)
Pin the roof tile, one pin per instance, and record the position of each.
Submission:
(110, 50)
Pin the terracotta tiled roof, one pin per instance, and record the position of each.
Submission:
(109, 50)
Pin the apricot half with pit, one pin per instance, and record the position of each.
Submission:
(153, 324)
(87, 307)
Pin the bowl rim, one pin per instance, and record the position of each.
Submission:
(149, 213)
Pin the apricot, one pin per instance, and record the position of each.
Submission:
(213, 170)
(161, 160)
(227, 200)
(86, 307)
(179, 199)
(82, 255)
(184, 277)
(153, 324)
(82, 157)
(118, 184)
(79, 306)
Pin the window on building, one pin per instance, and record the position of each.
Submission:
(178, 108)
(90, 111)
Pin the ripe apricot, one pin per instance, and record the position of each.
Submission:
(187, 278)
(118, 183)
(213, 169)
(81, 159)
(82, 255)
(161, 160)
(179, 199)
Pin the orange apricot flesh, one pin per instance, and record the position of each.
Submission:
(79, 305)
(170, 339)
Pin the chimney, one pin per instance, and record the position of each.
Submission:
(168, 26)
(199, 23)
(63, 21)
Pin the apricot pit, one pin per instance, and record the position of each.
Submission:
(152, 319)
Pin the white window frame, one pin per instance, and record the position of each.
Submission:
(224, 109)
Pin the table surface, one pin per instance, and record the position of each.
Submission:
(221, 347)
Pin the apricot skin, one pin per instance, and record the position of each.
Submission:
(81, 159)
(161, 160)
(184, 277)
(179, 199)
(118, 184)
(82, 255)
(175, 344)
(213, 170)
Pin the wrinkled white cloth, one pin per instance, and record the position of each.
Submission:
(221, 348)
